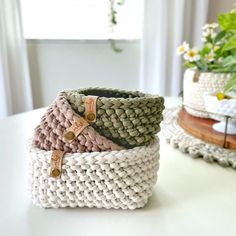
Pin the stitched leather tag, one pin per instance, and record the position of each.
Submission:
(196, 76)
(56, 161)
(91, 108)
(76, 128)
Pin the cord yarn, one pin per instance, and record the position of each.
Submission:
(110, 179)
(127, 118)
(48, 134)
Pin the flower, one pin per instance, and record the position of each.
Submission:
(182, 48)
(215, 48)
(210, 26)
(209, 32)
(210, 57)
(192, 55)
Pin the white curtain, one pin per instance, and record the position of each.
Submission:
(167, 23)
(15, 88)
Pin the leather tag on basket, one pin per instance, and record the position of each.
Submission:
(56, 161)
(91, 108)
(76, 128)
(196, 76)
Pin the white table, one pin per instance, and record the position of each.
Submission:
(191, 197)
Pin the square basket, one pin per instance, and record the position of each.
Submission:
(110, 179)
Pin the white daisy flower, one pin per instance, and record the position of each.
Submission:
(192, 55)
(210, 26)
(209, 32)
(210, 57)
(214, 25)
(182, 48)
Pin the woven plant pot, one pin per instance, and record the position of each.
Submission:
(198, 85)
(115, 179)
(127, 118)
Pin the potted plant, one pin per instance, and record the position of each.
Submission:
(210, 68)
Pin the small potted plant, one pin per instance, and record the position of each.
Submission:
(210, 68)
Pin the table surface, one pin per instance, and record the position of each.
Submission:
(191, 197)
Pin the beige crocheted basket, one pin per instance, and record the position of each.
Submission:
(110, 179)
(197, 85)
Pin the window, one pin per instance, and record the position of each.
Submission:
(80, 19)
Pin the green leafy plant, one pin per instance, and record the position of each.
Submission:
(218, 53)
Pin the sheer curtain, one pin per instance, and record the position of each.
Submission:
(167, 23)
(15, 88)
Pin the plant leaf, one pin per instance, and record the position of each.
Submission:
(201, 65)
(227, 21)
(114, 46)
(188, 64)
(231, 44)
(229, 61)
(219, 36)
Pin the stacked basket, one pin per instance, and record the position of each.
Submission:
(96, 148)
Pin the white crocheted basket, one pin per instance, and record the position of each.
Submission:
(196, 86)
(110, 179)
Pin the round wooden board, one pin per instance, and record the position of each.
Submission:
(202, 129)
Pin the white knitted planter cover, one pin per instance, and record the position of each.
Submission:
(194, 91)
(111, 179)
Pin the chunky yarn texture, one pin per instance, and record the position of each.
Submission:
(127, 118)
(60, 116)
(109, 179)
(193, 93)
(196, 148)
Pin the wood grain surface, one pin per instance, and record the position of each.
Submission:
(202, 129)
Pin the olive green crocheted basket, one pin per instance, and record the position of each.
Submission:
(127, 118)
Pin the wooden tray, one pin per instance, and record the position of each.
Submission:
(202, 129)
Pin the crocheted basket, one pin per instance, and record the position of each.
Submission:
(49, 134)
(127, 118)
(197, 85)
(114, 179)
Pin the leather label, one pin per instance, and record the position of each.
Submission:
(196, 76)
(75, 129)
(56, 161)
(91, 108)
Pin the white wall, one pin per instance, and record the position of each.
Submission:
(219, 6)
(57, 65)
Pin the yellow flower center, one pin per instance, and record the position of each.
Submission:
(192, 53)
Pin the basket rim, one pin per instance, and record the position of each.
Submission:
(138, 96)
(208, 72)
(104, 156)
